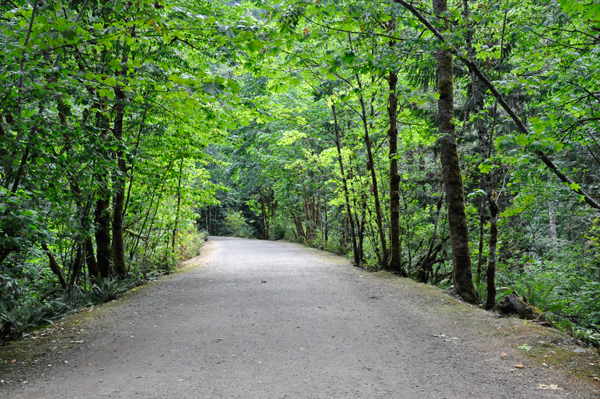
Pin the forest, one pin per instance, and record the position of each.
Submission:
(450, 142)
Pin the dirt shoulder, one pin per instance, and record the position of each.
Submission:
(268, 319)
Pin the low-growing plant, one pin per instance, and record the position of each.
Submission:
(107, 289)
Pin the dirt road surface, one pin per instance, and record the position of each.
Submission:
(276, 320)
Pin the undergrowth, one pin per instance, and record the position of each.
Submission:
(31, 298)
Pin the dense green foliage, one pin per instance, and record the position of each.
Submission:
(128, 127)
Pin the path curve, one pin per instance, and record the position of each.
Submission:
(276, 320)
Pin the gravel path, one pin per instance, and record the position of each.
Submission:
(276, 320)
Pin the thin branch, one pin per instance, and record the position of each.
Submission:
(472, 67)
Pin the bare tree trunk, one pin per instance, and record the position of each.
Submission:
(455, 197)
(491, 269)
(345, 185)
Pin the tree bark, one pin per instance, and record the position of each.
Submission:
(511, 112)
(54, 266)
(119, 200)
(395, 260)
(455, 197)
(90, 259)
(102, 235)
(356, 255)
(371, 167)
(491, 268)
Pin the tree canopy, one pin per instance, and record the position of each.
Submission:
(452, 142)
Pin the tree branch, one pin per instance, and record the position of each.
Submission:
(473, 68)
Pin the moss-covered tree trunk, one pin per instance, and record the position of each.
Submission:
(455, 197)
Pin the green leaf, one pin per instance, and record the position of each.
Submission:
(255, 45)
(525, 347)
(69, 34)
(115, 64)
(212, 88)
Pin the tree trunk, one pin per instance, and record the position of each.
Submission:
(371, 167)
(455, 197)
(90, 259)
(118, 243)
(102, 235)
(395, 260)
(491, 269)
(477, 90)
(514, 305)
(299, 229)
(553, 235)
(54, 266)
(480, 257)
(345, 185)
(178, 206)
(77, 266)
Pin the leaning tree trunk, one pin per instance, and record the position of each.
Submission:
(455, 197)
(395, 261)
(54, 266)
